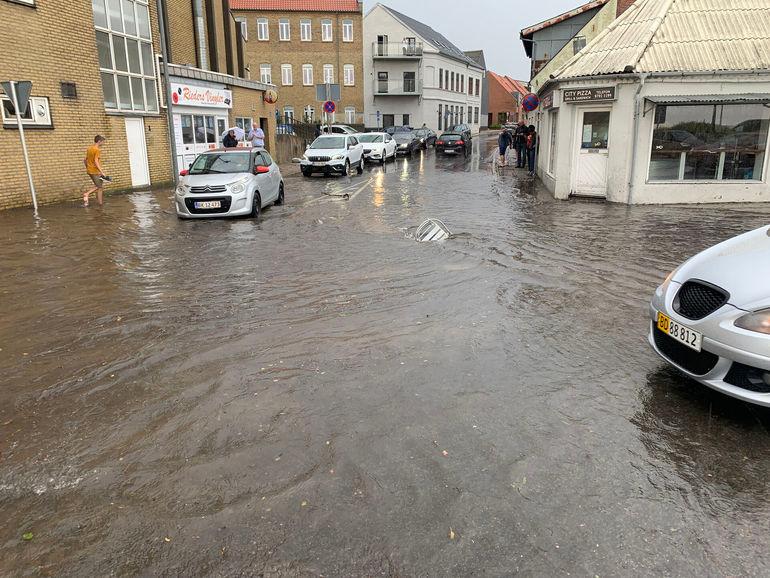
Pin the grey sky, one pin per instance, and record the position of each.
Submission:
(490, 25)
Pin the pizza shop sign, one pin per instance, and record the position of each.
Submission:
(589, 94)
(188, 95)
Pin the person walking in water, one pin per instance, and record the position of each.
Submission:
(94, 170)
(256, 136)
(504, 140)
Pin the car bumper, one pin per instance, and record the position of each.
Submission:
(232, 206)
(327, 168)
(729, 363)
(373, 155)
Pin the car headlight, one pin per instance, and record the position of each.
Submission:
(238, 186)
(759, 321)
(338, 157)
(182, 190)
(304, 157)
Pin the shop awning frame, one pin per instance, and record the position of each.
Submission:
(705, 99)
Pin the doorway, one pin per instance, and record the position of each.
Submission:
(137, 152)
(263, 124)
(592, 153)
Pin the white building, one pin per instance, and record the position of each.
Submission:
(413, 75)
(669, 104)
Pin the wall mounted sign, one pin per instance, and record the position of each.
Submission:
(271, 96)
(530, 102)
(547, 101)
(589, 94)
(189, 95)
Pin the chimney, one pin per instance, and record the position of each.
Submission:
(624, 5)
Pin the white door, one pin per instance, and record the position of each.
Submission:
(137, 152)
(593, 154)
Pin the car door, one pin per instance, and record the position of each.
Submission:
(265, 181)
(275, 173)
(390, 146)
(356, 152)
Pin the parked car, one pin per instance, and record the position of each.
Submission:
(406, 142)
(228, 183)
(462, 129)
(391, 130)
(378, 146)
(711, 317)
(452, 143)
(333, 154)
(338, 129)
(427, 137)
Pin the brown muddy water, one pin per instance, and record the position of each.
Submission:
(317, 394)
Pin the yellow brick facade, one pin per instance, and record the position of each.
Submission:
(315, 52)
(65, 51)
(182, 41)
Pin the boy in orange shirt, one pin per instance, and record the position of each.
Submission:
(94, 169)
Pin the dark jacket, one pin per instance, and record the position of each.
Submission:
(229, 141)
(520, 136)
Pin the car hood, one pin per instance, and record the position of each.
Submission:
(213, 179)
(738, 265)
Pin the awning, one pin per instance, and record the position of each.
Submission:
(708, 98)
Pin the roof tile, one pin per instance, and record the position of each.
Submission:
(297, 5)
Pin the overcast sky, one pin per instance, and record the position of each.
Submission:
(489, 25)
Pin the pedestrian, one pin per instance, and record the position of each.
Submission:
(256, 136)
(520, 144)
(317, 129)
(504, 140)
(230, 141)
(94, 169)
(531, 149)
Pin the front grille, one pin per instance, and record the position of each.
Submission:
(698, 363)
(208, 189)
(190, 203)
(319, 159)
(697, 299)
(747, 377)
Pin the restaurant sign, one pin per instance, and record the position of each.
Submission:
(589, 94)
(189, 95)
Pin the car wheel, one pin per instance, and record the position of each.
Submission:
(280, 199)
(306, 173)
(347, 168)
(360, 169)
(256, 206)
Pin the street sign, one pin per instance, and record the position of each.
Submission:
(330, 107)
(23, 90)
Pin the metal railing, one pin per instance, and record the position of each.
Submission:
(397, 49)
(398, 87)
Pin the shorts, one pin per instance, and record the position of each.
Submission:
(97, 179)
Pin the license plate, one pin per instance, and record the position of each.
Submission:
(319, 164)
(208, 204)
(449, 151)
(690, 338)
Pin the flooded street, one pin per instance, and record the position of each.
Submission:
(317, 394)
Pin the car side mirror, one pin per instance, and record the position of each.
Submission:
(261, 170)
(184, 173)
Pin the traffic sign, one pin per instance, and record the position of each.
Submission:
(23, 90)
(18, 91)
(330, 107)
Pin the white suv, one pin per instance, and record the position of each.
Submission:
(333, 154)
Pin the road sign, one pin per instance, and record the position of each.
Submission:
(23, 90)
(330, 107)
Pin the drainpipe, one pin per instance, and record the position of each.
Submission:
(162, 24)
(200, 34)
(635, 135)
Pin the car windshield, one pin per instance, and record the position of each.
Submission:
(370, 138)
(458, 128)
(403, 136)
(221, 163)
(329, 142)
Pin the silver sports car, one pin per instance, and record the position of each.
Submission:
(711, 317)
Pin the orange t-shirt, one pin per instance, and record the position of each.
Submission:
(92, 156)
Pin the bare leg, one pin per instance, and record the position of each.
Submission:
(99, 192)
(88, 194)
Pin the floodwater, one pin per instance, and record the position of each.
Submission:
(317, 394)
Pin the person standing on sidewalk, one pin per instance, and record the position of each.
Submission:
(531, 149)
(94, 169)
(256, 136)
(520, 144)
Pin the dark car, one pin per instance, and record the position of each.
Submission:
(427, 137)
(452, 143)
(391, 130)
(406, 142)
(462, 129)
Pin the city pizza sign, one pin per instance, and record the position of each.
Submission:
(589, 94)
(189, 95)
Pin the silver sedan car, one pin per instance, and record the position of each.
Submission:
(711, 317)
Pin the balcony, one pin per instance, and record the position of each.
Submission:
(397, 50)
(397, 87)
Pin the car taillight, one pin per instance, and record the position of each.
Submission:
(439, 142)
(459, 142)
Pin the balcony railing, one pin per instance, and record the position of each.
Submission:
(397, 50)
(411, 87)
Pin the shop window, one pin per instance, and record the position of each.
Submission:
(347, 31)
(125, 53)
(244, 123)
(709, 142)
(305, 30)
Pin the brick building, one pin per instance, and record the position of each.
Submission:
(297, 44)
(505, 96)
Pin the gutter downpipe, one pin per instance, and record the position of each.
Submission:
(635, 135)
(200, 35)
(167, 83)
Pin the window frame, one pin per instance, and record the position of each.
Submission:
(287, 75)
(284, 25)
(32, 122)
(350, 118)
(269, 68)
(306, 24)
(352, 80)
(266, 30)
(328, 67)
(327, 26)
(347, 25)
(306, 68)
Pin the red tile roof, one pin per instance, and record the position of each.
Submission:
(509, 84)
(297, 5)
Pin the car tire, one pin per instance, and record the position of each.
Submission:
(360, 169)
(347, 169)
(256, 206)
(279, 201)
(306, 173)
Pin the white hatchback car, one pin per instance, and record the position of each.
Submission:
(378, 146)
(228, 183)
(333, 154)
(711, 317)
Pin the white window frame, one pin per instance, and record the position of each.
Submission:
(350, 114)
(347, 31)
(36, 104)
(309, 113)
(263, 29)
(266, 77)
(243, 26)
(147, 77)
(287, 75)
(288, 112)
(307, 75)
(306, 30)
(328, 74)
(284, 30)
(349, 75)
(327, 30)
